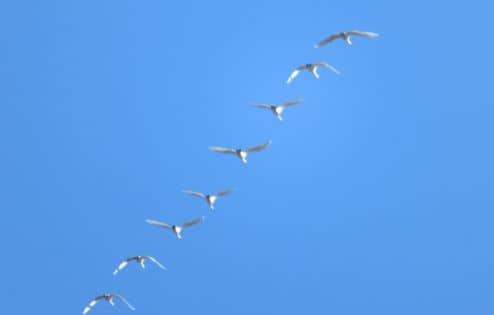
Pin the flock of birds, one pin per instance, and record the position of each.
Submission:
(277, 110)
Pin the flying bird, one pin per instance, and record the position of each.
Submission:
(346, 36)
(210, 199)
(177, 229)
(312, 67)
(107, 297)
(241, 153)
(278, 109)
(138, 259)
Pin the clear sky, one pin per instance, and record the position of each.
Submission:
(376, 196)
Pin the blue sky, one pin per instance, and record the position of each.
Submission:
(374, 198)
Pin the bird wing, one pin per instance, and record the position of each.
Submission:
(267, 106)
(259, 147)
(195, 221)
(327, 65)
(160, 224)
(224, 193)
(327, 40)
(365, 34)
(195, 193)
(155, 261)
(92, 303)
(222, 150)
(291, 103)
(294, 74)
(121, 298)
(122, 265)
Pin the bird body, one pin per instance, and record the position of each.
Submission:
(211, 199)
(242, 154)
(346, 36)
(177, 230)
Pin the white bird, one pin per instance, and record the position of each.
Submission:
(211, 199)
(107, 297)
(346, 36)
(138, 259)
(312, 67)
(241, 153)
(177, 229)
(278, 109)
